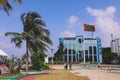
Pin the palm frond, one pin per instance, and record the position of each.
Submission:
(47, 40)
(39, 22)
(33, 15)
(42, 44)
(18, 1)
(6, 6)
(22, 17)
(12, 34)
(17, 40)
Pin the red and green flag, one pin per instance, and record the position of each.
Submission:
(89, 27)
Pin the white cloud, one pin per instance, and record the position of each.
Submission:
(5, 45)
(73, 21)
(67, 34)
(105, 23)
(2, 34)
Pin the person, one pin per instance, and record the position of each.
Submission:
(0, 71)
(70, 66)
(66, 66)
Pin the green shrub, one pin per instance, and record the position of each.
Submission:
(15, 71)
(44, 66)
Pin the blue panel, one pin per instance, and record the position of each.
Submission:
(69, 38)
(98, 51)
(89, 38)
(61, 40)
(79, 36)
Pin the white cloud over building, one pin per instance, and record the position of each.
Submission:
(67, 34)
(73, 21)
(105, 23)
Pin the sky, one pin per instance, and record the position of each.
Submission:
(64, 18)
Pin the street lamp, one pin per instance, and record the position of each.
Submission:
(52, 58)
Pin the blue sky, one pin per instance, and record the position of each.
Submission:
(64, 18)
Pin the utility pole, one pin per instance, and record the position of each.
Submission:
(51, 58)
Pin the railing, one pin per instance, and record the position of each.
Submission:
(100, 67)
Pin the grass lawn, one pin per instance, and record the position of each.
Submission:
(61, 75)
(11, 74)
(15, 74)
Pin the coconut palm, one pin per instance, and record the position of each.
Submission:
(34, 33)
(6, 6)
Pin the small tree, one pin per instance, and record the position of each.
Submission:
(38, 60)
(108, 56)
(35, 60)
(118, 57)
(58, 56)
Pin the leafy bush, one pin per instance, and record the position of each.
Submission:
(44, 66)
(15, 71)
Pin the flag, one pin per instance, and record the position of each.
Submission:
(89, 27)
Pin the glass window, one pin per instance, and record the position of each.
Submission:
(90, 58)
(74, 58)
(95, 51)
(69, 51)
(65, 51)
(90, 49)
(86, 52)
(73, 51)
(69, 58)
(95, 58)
(86, 57)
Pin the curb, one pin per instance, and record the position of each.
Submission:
(13, 77)
(21, 76)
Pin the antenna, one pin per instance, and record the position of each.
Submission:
(111, 42)
(111, 37)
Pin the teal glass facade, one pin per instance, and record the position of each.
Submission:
(80, 49)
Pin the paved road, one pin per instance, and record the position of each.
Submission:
(97, 74)
(93, 74)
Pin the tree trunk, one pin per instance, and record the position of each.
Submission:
(26, 55)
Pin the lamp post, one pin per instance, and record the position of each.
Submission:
(51, 58)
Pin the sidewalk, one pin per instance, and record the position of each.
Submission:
(97, 74)
(93, 74)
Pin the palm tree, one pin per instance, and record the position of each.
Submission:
(5, 5)
(34, 33)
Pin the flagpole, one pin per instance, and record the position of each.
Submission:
(92, 34)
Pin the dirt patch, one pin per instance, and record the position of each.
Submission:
(76, 73)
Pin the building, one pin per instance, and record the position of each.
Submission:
(3, 68)
(80, 49)
(3, 56)
(46, 59)
(115, 46)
